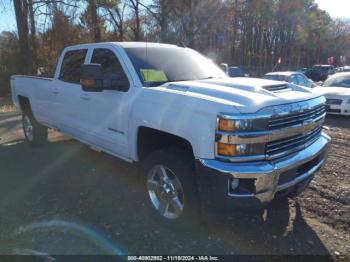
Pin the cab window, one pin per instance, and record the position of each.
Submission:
(110, 65)
(71, 66)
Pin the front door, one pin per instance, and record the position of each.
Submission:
(106, 113)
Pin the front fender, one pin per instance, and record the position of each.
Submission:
(189, 118)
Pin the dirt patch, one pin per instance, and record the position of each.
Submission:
(6, 105)
(327, 199)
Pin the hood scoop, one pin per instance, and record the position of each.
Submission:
(277, 88)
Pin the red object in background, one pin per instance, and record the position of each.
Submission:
(331, 60)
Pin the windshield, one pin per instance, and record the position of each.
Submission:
(338, 81)
(276, 77)
(158, 65)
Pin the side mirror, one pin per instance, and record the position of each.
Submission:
(91, 78)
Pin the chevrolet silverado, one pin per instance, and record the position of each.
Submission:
(200, 138)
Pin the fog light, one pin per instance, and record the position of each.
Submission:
(226, 149)
(234, 183)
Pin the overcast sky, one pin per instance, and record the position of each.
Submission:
(336, 8)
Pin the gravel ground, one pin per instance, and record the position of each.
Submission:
(64, 198)
(328, 197)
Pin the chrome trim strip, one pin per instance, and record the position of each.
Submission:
(295, 149)
(292, 139)
(275, 122)
(268, 136)
(242, 158)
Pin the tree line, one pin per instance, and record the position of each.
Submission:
(250, 33)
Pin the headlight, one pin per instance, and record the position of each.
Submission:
(241, 125)
(240, 149)
(231, 128)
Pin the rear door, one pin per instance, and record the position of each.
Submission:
(69, 93)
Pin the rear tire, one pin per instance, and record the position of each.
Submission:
(35, 133)
(170, 187)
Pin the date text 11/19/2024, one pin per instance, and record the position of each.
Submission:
(173, 258)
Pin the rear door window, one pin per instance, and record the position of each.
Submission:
(71, 66)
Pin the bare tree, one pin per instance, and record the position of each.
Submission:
(135, 6)
(94, 20)
(116, 13)
(21, 11)
(161, 11)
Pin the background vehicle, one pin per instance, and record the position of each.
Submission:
(319, 72)
(336, 89)
(303, 70)
(202, 139)
(236, 71)
(291, 77)
(342, 69)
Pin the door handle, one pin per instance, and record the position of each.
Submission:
(55, 91)
(85, 97)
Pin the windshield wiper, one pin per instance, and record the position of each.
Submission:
(180, 80)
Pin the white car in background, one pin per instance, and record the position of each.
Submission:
(296, 78)
(336, 89)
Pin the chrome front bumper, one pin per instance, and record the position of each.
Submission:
(266, 174)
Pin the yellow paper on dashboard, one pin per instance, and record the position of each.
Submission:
(153, 75)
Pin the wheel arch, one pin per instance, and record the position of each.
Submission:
(24, 104)
(150, 140)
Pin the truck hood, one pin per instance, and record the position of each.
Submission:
(247, 95)
(334, 91)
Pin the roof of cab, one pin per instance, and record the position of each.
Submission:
(125, 45)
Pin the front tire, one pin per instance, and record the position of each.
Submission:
(170, 187)
(35, 133)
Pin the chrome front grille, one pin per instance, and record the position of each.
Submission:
(291, 144)
(281, 129)
(299, 118)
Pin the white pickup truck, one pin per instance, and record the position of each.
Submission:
(201, 139)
